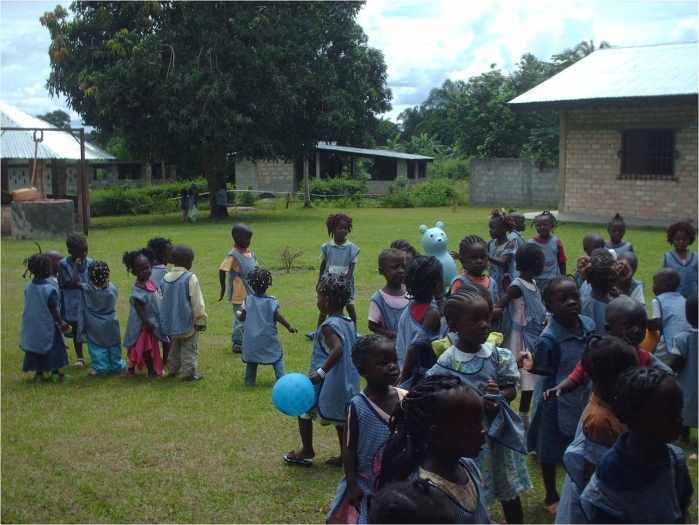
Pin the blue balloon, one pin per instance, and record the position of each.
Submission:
(293, 394)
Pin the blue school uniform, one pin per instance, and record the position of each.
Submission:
(534, 312)
(674, 321)
(70, 297)
(686, 345)
(626, 490)
(554, 423)
(514, 235)
(338, 260)
(158, 272)
(391, 316)
(410, 332)
(342, 381)
(176, 316)
(492, 285)
(551, 268)
(595, 310)
(151, 305)
(623, 247)
(495, 272)
(687, 271)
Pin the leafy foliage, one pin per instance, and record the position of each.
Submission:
(432, 193)
(58, 118)
(336, 187)
(248, 198)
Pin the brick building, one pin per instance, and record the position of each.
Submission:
(628, 131)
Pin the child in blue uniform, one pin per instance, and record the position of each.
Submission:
(162, 252)
(261, 345)
(668, 311)
(41, 331)
(411, 502)
(501, 251)
(97, 319)
(389, 303)
(332, 371)
(70, 295)
(682, 235)
(601, 271)
(555, 257)
(473, 254)
(435, 433)
(492, 371)
(616, 228)
(685, 363)
(339, 257)
(642, 479)
(520, 225)
(366, 424)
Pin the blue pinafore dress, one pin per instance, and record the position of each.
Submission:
(551, 268)
(687, 271)
(261, 343)
(492, 285)
(338, 260)
(534, 312)
(495, 272)
(410, 332)
(391, 316)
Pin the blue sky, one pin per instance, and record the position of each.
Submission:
(424, 42)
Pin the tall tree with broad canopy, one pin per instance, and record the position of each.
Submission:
(259, 80)
(58, 118)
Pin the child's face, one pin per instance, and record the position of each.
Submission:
(243, 240)
(520, 222)
(660, 284)
(616, 232)
(543, 226)
(475, 259)
(381, 367)
(168, 254)
(473, 322)
(591, 244)
(565, 302)
(680, 241)
(629, 324)
(141, 269)
(464, 433)
(55, 259)
(661, 419)
(496, 228)
(394, 270)
(79, 251)
(340, 232)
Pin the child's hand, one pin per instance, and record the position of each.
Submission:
(78, 261)
(490, 407)
(315, 378)
(454, 255)
(65, 327)
(614, 292)
(354, 496)
(199, 327)
(149, 327)
(292, 329)
(552, 393)
(492, 388)
(223, 292)
(496, 313)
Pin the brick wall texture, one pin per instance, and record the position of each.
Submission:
(592, 183)
(513, 182)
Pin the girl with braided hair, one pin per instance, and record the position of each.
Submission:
(41, 331)
(473, 254)
(642, 478)
(681, 235)
(616, 228)
(601, 272)
(501, 250)
(435, 432)
(97, 319)
(555, 261)
(332, 371)
(261, 345)
(419, 324)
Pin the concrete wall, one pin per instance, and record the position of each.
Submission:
(265, 176)
(592, 167)
(52, 219)
(513, 182)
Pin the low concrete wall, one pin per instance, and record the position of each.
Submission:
(513, 182)
(52, 219)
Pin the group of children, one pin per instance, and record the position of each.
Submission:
(440, 373)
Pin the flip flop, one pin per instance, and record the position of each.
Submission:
(293, 460)
(553, 508)
(79, 363)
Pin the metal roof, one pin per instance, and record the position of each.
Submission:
(56, 144)
(666, 73)
(361, 152)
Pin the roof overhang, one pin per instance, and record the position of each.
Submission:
(371, 153)
(625, 102)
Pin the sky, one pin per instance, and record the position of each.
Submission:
(424, 42)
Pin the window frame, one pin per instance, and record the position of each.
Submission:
(652, 147)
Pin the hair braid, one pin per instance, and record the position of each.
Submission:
(633, 389)
(422, 276)
(335, 219)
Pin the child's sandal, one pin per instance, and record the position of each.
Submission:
(39, 376)
(57, 378)
(79, 363)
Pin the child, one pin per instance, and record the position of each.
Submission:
(601, 271)
(501, 251)
(70, 295)
(492, 371)
(411, 502)
(192, 202)
(591, 241)
(685, 364)
(143, 329)
(668, 310)
(630, 285)
(555, 261)
(182, 314)
(389, 303)
(523, 317)
(435, 432)
(184, 203)
(222, 203)
(162, 252)
(605, 358)
(261, 344)
(555, 355)
(41, 332)
(520, 225)
(338, 258)
(406, 248)
(419, 324)
(616, 228)
(238, 264)
(331, 371)
(642, 479)
(681, 235)
(97, 319)
(473, 254)
(56, 258)
(366, 424)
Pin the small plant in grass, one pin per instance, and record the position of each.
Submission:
(287, 257)
(248, 198)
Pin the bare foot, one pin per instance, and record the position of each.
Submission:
(335, 461)
(299, 457)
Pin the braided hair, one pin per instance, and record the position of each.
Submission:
(160, 246)
(616, 219)
(690, 310)
(683, 227)
(602, 270)
(469, 241)
(546, 213)
(422, 276)
(74, 241)
(422, 407)
(457, 301)
(528, 255)
(501, 214)
(410, 502)
(337, 288)
(130, 257)
(98, 273)
(548, 287)
(335, 219)
(404, 246)
(37, 264)
(390, 254)
(365, 346)
(634, 388)
(480, 290)
(259, 280)
(605, 357)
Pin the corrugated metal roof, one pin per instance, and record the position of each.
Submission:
(669, 70)
(56, 144)
(361, 152)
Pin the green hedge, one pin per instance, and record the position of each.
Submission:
(432, 193)
(337, 188)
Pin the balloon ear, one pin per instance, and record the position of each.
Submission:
(440, 225)
(423, 228)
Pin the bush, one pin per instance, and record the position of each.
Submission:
(338, 188)
(248, 198)
(454, 169)
(433, 193)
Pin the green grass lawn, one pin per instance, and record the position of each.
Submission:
(157, 450)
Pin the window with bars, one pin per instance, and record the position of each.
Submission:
(648, 154)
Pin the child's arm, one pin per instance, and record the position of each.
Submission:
(278, 317)
(564, 387)
(242, 314)
(412, 357)
(562, 268)
(323, 264)
(75, 279)
(141, 311)
(513, 292)
(655, 324)
(378, 329)
(677, 363)
(502, 262)
(333, 357)
(350, 438)
(222, 279)
(350, 271)
(65, 280)
(62, 325)
(562, 259)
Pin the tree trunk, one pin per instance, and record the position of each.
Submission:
(215, 168)
(306, 193)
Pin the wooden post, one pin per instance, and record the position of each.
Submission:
(84, 188)
(5, 179)
(563, 140)
(306, 191)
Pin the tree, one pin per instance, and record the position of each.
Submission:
(411, 119)
(58, 118)
(570, 56)
(264, 81)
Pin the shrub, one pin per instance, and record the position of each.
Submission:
(433, 193)
(248, 198)
(337, 188)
